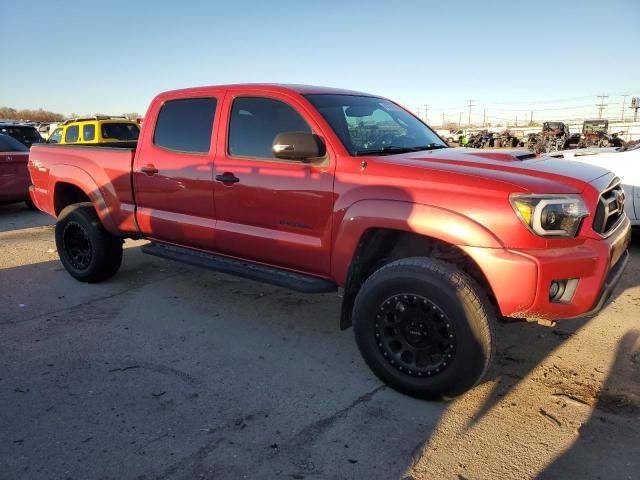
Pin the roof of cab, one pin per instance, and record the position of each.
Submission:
(276, 87)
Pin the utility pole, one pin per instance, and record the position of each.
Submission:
(426, 109)
(516, 119)
(635, 105)
(460, 120)
(470, 105)
(624, 100)
(601, 105)
(443, 123)
(484, 118)
(531, 118)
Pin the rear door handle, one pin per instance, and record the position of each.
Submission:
(149, 170)
(227, 177)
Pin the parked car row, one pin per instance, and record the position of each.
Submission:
(25, 134)
(314, 189)
(17, 138)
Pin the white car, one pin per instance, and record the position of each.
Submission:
(623, 161)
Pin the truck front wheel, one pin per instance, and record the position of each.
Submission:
(424, 327)
(87, 251)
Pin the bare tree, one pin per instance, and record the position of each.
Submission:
(39, 115)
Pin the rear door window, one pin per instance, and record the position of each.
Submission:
(186, 125)
(255, 122)
(72, 134)
(88, 132)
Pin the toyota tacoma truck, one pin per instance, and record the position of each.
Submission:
(320, 189)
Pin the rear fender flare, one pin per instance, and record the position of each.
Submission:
(73, 175)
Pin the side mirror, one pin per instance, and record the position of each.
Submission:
(297, 146)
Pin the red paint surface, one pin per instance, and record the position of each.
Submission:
(14, 176)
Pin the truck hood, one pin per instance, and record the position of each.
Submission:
(523, 170)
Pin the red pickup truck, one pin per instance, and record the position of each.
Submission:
(317, 189)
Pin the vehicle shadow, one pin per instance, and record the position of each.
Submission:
(211, 373)
(617, 407)
(16, 216)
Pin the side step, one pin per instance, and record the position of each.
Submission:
(242, 268)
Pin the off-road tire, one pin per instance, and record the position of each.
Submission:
(103, 251)
(453, 293)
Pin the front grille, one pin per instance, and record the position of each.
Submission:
(610, 208)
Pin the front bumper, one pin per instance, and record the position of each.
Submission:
(520, 279)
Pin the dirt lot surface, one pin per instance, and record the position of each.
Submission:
(168, 372)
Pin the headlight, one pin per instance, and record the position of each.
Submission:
(550, 215)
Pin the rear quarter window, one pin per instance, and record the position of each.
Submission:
(10, 144)
(125, 132)
(186, 125)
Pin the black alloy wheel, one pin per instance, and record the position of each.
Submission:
(415, 335)
(76, 243)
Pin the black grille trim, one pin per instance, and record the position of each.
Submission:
(610, 209)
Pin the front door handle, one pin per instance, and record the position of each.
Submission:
(227, 177)
(149, 170)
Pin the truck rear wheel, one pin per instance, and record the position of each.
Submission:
(424, 327)
(87, 251)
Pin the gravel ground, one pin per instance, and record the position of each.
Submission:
(168, 372)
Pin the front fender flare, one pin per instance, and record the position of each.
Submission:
(434, 222)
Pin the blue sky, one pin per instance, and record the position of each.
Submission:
(78, 57)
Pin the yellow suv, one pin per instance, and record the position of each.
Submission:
(95, 130)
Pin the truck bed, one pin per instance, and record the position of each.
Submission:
(103, 172)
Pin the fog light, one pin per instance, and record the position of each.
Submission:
(557, 290)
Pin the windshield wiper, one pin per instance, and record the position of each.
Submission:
(391, 150)
(431, 146)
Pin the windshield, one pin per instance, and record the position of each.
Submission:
(120, 131)
(374, 126)
(595, 126)
(24, 134)
(10, 144)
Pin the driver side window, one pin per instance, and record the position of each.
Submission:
(256, 121)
